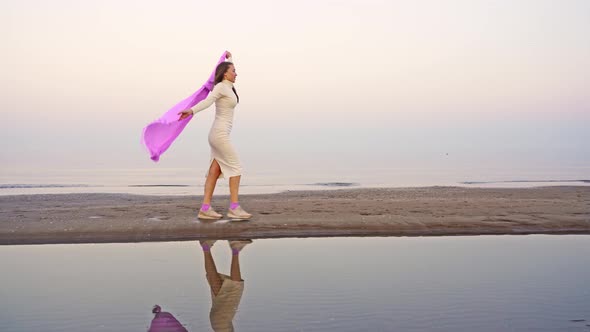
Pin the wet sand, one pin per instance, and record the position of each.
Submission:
(429, 211)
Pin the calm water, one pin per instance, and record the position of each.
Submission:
(190, 181)
(482, 283)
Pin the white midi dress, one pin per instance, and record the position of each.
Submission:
(222, 149)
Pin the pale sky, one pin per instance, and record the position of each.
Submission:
(329, 81)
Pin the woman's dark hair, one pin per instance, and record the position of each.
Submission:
(221, 69)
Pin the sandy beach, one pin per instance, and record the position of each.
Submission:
(428, 211)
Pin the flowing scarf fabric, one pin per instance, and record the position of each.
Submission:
(159, 135)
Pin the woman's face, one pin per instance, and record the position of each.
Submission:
(230, 74)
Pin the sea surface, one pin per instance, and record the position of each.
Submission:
(190, 181)
(460, 283)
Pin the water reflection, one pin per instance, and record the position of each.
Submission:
(472, 283)
(165, 322)
(226, 291)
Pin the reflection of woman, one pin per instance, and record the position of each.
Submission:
(226, 291)
(224, 159)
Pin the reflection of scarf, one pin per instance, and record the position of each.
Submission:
(159, 135)
(165, 322)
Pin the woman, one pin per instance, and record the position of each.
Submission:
(224, 159)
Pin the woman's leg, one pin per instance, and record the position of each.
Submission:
(236, 247)
(235, 210)
(234, 187)
(212, 176)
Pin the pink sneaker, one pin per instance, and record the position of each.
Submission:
(238, 245)
(209, 214)
(238, 214)
(207, 243)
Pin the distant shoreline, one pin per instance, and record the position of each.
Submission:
(420, 211)
(163, 189)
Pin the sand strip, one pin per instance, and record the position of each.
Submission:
(430, 211)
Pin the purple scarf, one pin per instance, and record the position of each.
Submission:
(159, 135)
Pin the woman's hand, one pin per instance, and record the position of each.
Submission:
(185, 114)
(227, 54)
